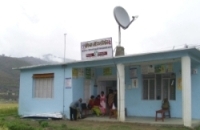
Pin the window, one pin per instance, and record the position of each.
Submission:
(43, 85)
(159, 86)
(149, 86)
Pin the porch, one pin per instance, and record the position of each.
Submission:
(144, 120)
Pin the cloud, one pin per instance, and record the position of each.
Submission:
(35, 28)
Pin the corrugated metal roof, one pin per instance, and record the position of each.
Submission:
(132, 55)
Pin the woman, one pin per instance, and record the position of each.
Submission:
(91, 102)
(103, 103)
(96, 106)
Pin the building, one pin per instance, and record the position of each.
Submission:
(142, 81)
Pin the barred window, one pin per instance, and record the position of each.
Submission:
(159, 86)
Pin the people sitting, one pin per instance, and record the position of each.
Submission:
(91, 102)
(164, 111)
(165, 104)
(166, 108)
(96, 106)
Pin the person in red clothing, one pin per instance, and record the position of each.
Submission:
(91, 102)
(97, 101)
(96, 107)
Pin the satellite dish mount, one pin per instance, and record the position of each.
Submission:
(123, 20)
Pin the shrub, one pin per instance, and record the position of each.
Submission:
(44, 124)
(2, 119)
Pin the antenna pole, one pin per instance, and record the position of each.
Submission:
(119, 36)
(64, 45)
(64, 76)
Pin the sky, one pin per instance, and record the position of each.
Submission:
(37, 27)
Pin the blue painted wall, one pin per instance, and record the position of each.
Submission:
(78, 87)
(196, 92)
(136, 106)
(29, 105)
(68, 92)
(134, 103)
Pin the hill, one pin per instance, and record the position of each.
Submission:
(34, 61)
(9, 79)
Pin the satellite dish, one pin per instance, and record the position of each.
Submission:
(123, 20)
(122, 17)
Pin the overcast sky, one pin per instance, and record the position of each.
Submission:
(37, 27)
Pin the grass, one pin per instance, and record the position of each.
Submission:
(7, 109)
(7, 105)
(10, 121)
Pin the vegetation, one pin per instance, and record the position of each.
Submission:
(9, 120)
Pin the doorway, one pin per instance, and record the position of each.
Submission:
(104, 83)
(106, 86)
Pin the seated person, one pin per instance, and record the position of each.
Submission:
(91, 102)
(96, 106)
(165, 110)
(165, 104)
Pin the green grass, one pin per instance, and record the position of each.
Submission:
(10, 121)
(8, 109)
(7, 105)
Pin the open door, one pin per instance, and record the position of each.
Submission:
(101, 87)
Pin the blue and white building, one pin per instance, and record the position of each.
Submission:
(142, 80)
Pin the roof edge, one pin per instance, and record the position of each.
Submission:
(130, 55)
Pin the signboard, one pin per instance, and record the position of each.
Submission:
(68, 82)
(80, 72)
(133, 73)
(148, 69)
(162, 68)
(179, 83)
(107, 71)
(96, 49)
(134, 83)
(75, 73)
(88, 73)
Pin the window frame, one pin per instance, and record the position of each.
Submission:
(164, 76)
(45, 87)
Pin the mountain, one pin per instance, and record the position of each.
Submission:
(9, 78)
(34, 60)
